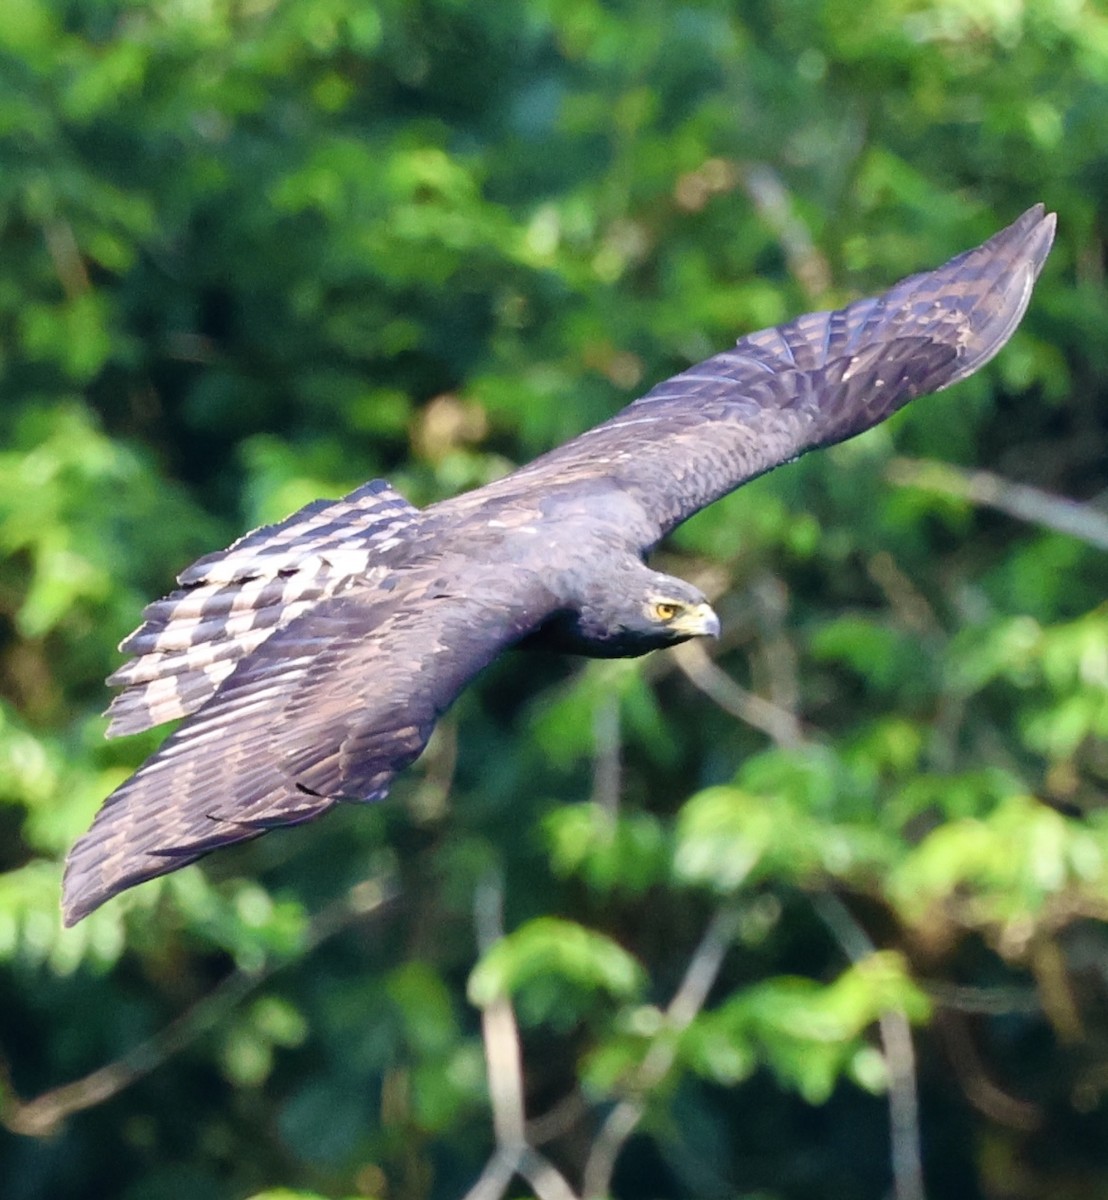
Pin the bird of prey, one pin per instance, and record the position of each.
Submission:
(313, 657)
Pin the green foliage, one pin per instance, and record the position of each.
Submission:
(728, 838)
(257, 253)
(1008, 870)
(287, 1194)
(542, 964)
(809, 1035)
(626, 853)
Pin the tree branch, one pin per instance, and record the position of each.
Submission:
(1056, 513)
(606, 762)
(688, 1000)
(780, 725)
(41, 1116)
(900, 1060)
(513, 1155)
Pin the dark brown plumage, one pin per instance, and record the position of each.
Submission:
(313, 657)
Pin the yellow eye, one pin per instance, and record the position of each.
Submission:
(665, 611)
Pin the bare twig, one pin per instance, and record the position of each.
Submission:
(493, 1181)
(900, 1059)
(557, 1120)
(41, 1116)
(907, 602)
(1016, 499)
(687, 1001)
(979, 1090)
(904, 1131)
(774, 653)
(607, 767)
(1059, 1004)
(513, 1155)
(545, 1178)
(775, 206)
(428, 802)
(992, 1001)
(498, 1024)
(777, 723)
(61, 244)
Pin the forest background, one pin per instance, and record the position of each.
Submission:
(819, 913)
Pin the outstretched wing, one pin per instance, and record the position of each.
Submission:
(817, 380)
(329, 708)
(232, 601)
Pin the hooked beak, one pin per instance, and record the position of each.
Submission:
(697, 622)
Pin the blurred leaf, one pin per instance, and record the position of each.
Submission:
(551, 957)
(1002, 870)
(626, 853)
(805, 1032)
(423, 1002)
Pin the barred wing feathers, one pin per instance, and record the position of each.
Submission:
(315, 658)
(817, 380)
(230, 602)
(331, 707)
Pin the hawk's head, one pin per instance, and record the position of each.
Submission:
(630, 612)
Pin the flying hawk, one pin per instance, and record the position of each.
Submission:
(313, 657)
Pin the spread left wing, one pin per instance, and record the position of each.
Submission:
(815, 381)
(329, 708)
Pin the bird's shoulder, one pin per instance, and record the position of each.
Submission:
(526, 513)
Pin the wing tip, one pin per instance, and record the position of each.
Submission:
(82, 891)
(75, 908)
(1038, 227)
(101, 865)
(1027, 239)
(1010, 263)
